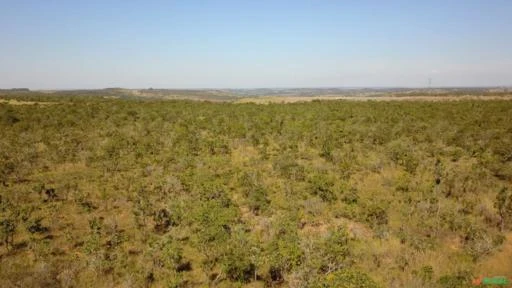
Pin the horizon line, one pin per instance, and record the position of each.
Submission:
(269, 87)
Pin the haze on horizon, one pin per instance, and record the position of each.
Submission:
(249, 44)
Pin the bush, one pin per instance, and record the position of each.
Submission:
(426, 273)
(461, 279)
(257, 200)
(346, 278)
(335, 250)
(163, 220)
(503, 204)
(479, 242)
(35, 226)
(350, 197)
(237, 263)
(322, 186)
(401, 152)
(283, 251)
(168, 253)
(7, 230)
(375, 215)
(289, 168)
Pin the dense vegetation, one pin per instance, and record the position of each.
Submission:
(101, 193)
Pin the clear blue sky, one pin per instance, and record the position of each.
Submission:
(245, 44)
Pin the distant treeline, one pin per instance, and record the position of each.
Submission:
(15, 90)
(236, 94)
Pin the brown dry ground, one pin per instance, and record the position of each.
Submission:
(18, 102)
(499, 263)
(296, 99)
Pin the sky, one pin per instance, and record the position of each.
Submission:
(93, 44)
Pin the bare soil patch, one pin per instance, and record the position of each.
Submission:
(500, 262)
(18, 102)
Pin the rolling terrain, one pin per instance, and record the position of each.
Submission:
(122, 188)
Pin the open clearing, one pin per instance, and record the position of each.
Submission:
(21, 102)
(294, 99)
(500, 263)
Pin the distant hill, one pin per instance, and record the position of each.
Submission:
(237, 94)
(15, 90)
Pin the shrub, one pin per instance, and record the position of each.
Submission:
(9, 117)
(346, 278)
(350, 197)
(168, 253)
(327, 150)
(375, 215)
(335, 250)
(257, 200)
(322, 186)
(255, 192)
(401, 152)
(283, 251)
(289, 168)
(460, 279)
(35, 226)
(237, 263)
(503, 204)
(163, 220)
(7, 230)
(426, 273)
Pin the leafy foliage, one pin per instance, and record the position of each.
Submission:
(130, 192)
